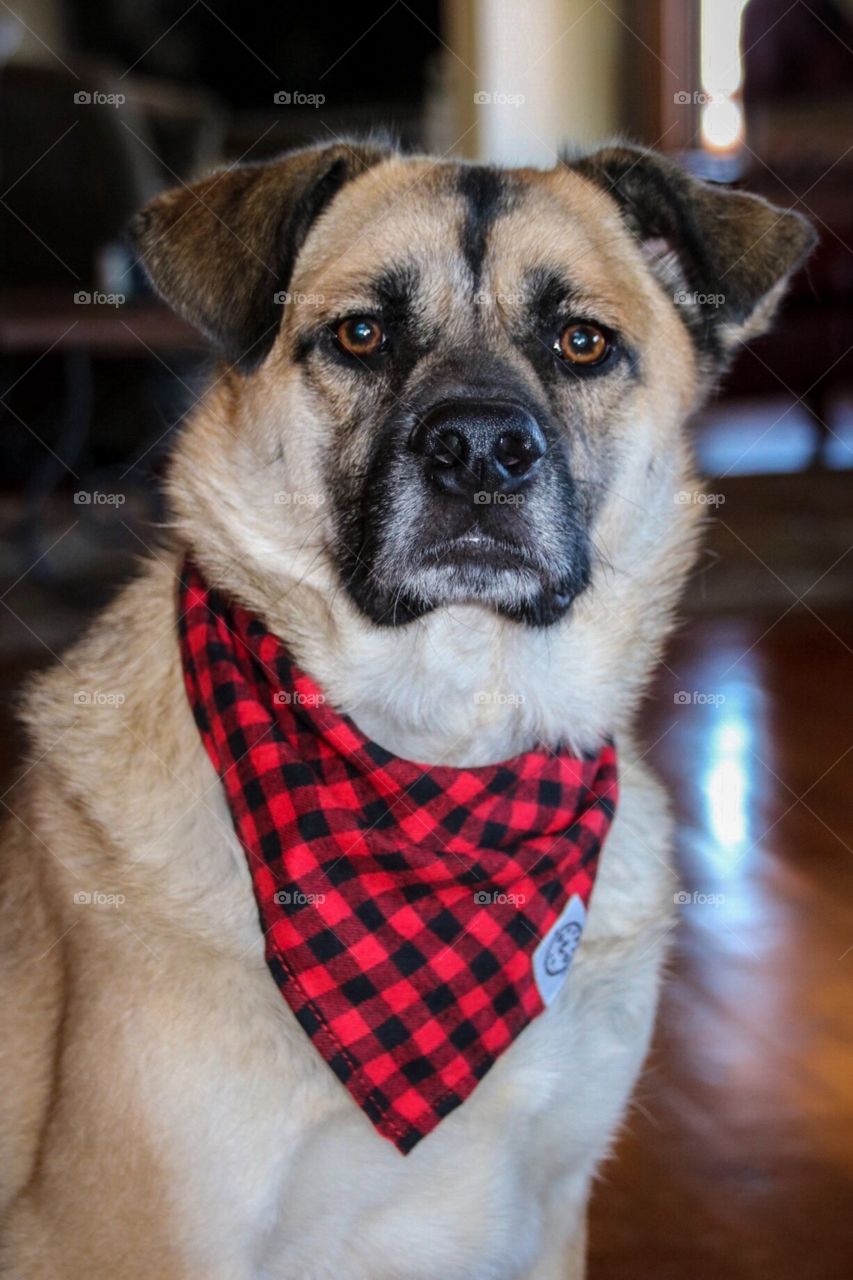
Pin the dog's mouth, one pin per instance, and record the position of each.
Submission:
(472, 567)
(477, 550)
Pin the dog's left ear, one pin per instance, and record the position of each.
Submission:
(724, 256)
(221, 251)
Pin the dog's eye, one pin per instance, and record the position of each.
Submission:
(583, 344)
(360, 335)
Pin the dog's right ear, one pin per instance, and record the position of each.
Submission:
(725, 255)
(220, 251)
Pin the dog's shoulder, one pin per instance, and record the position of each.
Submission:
(108, 727)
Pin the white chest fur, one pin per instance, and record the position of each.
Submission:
(293, 1178)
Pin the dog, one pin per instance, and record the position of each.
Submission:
(444, 460)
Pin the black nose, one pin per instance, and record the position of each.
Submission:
(479, 446)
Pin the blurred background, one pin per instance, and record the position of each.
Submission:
(737, 1158)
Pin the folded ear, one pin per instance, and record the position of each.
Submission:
(220, 251)
(724, 256)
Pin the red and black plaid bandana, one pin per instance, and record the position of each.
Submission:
(416, 918)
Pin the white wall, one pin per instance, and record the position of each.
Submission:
(550, 69)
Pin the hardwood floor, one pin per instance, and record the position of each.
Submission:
(737, 1159)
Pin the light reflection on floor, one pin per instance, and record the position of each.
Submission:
(726, 785)
(722, 747)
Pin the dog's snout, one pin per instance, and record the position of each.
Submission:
(471, 446)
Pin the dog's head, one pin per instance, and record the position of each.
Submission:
(461, 383)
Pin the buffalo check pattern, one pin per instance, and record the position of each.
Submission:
(401, 903)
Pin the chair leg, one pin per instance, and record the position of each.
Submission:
(817, 404)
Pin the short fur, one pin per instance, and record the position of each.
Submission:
(162, 1113)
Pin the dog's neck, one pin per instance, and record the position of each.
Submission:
(462, 685)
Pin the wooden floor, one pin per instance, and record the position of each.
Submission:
(737, 1159)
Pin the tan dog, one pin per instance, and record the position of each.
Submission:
(163, 1114)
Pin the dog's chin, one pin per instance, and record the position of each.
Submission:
(497, 576)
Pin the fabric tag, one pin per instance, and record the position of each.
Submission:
(553, 956)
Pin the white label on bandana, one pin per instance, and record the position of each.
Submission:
(553, 955)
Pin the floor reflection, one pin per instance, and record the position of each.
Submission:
(738, 1160)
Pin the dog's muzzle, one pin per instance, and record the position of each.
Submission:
(472, 500)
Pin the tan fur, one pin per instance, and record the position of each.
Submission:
(163, 1115)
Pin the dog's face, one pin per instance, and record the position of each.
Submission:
(474, 365)
(463, 364)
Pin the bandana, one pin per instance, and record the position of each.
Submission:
(416, 917)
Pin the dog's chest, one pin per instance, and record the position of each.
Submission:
(481, 1195)
(286, 1177)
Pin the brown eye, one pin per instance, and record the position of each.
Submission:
(360, 335)
(583, 344)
